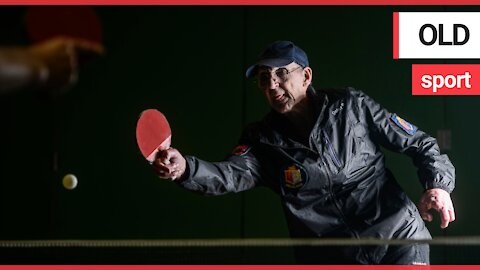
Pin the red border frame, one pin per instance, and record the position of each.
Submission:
(240, 267)
(395, 35)
(238, 2)
(252, 3)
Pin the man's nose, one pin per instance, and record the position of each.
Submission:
(273, 82)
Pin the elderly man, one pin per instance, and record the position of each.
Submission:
(320, 151)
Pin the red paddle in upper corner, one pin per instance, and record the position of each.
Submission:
(79, 22)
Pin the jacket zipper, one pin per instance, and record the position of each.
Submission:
(339, 209)
(330, 147)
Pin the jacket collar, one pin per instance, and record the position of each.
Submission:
(276, 123)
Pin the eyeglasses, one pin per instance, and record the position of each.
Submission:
(281, 75)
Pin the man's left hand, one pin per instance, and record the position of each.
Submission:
(439, 200)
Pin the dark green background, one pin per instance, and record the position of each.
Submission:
(189, 62)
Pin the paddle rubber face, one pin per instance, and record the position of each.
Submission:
(44, 22)
(153, 133)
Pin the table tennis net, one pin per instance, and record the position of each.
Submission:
(443, 250)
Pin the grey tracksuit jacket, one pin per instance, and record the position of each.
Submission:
(336, 184)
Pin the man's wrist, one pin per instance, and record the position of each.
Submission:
(184, 176)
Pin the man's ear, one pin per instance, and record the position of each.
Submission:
(308, 73)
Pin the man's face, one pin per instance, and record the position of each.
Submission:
(284, 87)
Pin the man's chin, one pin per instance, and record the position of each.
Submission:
(284, 108)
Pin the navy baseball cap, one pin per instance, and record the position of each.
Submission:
(279, 54)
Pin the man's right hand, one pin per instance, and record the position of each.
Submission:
(439, 200)
(170, 164)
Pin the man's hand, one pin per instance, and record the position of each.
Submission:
(439, 200)
(51, 66)
(59, 59)
(169, 164)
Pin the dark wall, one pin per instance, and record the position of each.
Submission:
(189, 62)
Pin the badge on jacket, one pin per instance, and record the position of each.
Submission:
(403, 124)
(240, 150)
(295, 177)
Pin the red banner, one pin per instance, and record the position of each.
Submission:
(239, 2)
(445, 80)
(239, 267)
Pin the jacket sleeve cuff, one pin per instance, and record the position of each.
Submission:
(433, 185)
(187, 175)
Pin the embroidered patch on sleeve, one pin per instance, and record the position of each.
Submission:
(240, 150)
(403, 124)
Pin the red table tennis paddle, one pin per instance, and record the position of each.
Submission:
(78, 24)
(45, 22)
(153, 133)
